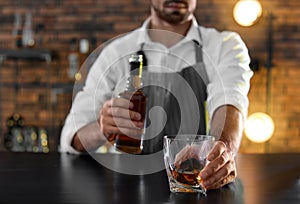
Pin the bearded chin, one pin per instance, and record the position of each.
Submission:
(173, 18)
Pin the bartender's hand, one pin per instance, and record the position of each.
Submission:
(117, 118)
(221, 168)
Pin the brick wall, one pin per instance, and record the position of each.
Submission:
(103, 20)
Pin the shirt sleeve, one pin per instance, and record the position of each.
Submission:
(229, 72)
(86, 104)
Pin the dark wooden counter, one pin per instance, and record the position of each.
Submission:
(62, 178)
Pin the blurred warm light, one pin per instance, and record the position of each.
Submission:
(78, 76)
(259, 127)
(247, 12)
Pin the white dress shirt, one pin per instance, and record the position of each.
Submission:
(224, 55)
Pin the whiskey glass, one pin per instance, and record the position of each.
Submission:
(185, 156)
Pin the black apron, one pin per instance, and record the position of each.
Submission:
(175, 102)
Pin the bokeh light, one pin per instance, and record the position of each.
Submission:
(259, 127)
(247, 12)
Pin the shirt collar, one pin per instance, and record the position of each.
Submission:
(192, 34)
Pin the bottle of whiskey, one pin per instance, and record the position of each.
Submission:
(83, 56)
(17, 31)
(28, 35)
(73, 59)
(134, 93)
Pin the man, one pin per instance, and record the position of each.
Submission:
(168, 38)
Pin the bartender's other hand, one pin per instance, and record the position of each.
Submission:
(117, 118)
(221, 168)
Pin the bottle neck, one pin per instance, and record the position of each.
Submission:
(134, 83)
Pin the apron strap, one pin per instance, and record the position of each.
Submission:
(201, 69)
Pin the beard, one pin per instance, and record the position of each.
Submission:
(172, 17)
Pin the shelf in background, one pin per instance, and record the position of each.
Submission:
(25, 54)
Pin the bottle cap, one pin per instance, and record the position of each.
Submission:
(136, 64)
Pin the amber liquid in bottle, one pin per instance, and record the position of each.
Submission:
(134, 93)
